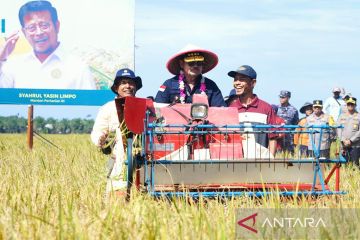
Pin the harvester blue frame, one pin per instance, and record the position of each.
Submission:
(148, 165)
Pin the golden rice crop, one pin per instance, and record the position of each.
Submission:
(58, 194)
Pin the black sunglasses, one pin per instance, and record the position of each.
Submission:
(192, 64)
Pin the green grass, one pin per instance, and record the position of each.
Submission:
(58, 194)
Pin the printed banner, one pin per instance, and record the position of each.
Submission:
(52, 49)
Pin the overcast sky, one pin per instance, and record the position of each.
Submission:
(304, 46)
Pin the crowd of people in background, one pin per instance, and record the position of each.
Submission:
(339, 109)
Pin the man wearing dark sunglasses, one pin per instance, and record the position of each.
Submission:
(350, 134)
(188, 66)
(335, 105)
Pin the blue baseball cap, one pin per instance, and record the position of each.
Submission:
(244, 70)
(126, 73)
(285, 93)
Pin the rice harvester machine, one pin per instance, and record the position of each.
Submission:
(196, 150)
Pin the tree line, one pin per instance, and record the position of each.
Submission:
(16, 124)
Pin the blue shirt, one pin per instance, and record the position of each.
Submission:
(170, 91)
(291, 117)
(289, 113)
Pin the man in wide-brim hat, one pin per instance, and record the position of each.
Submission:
(188, 66)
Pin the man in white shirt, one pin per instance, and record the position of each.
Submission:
(47, 66)
(107, 123)
(334, 105)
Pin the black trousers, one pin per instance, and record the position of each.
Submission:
(352, 155)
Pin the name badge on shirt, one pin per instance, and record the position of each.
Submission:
(56, 73)
(356, 127)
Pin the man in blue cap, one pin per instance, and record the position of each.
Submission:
(252, 110)
(291, 116)
(108, 123)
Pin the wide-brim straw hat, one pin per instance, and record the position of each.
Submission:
(210, 61)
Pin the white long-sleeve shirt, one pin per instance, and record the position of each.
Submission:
(59, 71)
(107, 121)
(334, 107)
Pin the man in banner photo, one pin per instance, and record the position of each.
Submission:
(48, 66)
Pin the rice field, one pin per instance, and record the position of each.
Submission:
(58, 194)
